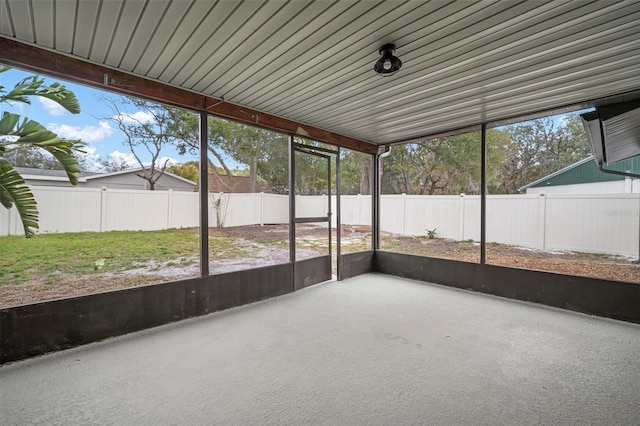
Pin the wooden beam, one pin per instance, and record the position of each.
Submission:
(39, 60)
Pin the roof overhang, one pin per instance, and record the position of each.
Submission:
(306, 67)
(614, 132)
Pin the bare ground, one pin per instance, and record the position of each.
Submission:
(608, 267)
(269, 245)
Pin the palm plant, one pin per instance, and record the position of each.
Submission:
(17, 133)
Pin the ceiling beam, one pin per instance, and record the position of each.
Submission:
(36, 59)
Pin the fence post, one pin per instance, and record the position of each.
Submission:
(404, 213)
(542, 221)
(261, 208)
(169, 208)
(103, 209)
(461, 218)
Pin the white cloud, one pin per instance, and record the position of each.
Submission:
(117, 157)
(142, 117)
(87, 133)
(124, 160)
(170, 161)
(16, 106)
(52, 107)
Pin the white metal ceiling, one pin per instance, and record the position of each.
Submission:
(464, 62)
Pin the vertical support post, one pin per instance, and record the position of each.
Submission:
(375, 202)
(542, 221)
(404, 213)
(292, 202)
(483, 195)
(103, 209)
(338, 218)
(169, 208)
(329, 212)
(204, 196)
(261, 208)
(461, 216)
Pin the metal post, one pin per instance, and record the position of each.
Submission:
(375, 202)
(483, 195)
(292, 201)
(329, 212)
(338, 220)
(204, 196)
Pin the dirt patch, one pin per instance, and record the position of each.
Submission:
(603, 266)
(268, 245)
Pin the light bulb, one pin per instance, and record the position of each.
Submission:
(387, 64)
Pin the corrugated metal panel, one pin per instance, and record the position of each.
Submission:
(42, 10)
(65, 20)
(19, 12)
(312, 61)
(86, 23)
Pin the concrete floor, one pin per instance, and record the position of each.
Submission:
(370, 350)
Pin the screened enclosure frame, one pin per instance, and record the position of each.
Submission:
(34, 329)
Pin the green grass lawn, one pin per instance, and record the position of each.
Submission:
(77, 253)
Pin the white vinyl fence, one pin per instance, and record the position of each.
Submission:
(599, 223)
(602, 223)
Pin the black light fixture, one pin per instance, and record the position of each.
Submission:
(387, 64)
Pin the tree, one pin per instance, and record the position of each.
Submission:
(116, 165)
(447, 165)
(32, 158)
(355, 172)
(539, 147)
(188, 170)
(147, 126)
(17, 134)
(187, 127)
(264, 153)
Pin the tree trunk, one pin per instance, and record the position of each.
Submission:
(365, 177)
(253, 174)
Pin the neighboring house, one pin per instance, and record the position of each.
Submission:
(124, 179)
(237, 184)
(584, 177)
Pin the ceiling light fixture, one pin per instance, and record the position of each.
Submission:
(388, 64)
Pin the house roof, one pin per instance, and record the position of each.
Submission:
(585, 171)
(135, 170)
(51, 175)
(60, 175)
(306, 67)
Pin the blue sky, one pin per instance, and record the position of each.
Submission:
(104, 140)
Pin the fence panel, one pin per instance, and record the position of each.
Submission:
(515, 220)
(592, 223)
(275, 209)
(184, 209)
(62, 210)
(440, 212)
(351, 209)
(10, 223)
(471, 218)
(311, 205)
(134, 210)
(241, 209)
(392, 213)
